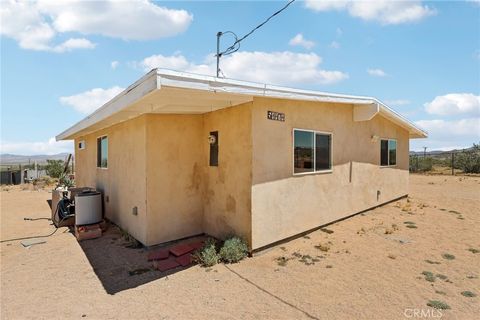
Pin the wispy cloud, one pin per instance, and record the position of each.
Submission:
(114, 64)
(454, 104)
(376, 72)
(398, 102)
(39, 147)
(284, 67)
(383, 11)
(88, 101)
(299, 40)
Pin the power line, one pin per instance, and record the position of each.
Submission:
(236, 45)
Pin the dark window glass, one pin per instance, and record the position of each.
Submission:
(384, 152)
(303, 151)
(392, 152)
(322, 151)
(102, 152)
(214, 150)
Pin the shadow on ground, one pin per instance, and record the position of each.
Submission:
(118, 266)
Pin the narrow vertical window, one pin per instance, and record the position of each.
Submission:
(384, 152)
(388, 152)
(323, 151)
(303, 151)
(213, 139)
(102, 152)
(392, 152)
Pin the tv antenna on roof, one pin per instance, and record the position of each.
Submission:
(236, 44)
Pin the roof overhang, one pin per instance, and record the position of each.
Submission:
(167, 91)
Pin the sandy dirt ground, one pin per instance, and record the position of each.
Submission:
(370, 267)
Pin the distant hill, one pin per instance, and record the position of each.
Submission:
(438, 152)
(6, 158)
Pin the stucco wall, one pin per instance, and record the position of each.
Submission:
(284, 205)
(175, 166)
(123, 183)
(227, 198)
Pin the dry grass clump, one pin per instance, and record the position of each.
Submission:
(429, 276)
(322, 247)
(473, 250)
(468, 294)
(437, 304)
(432, 262)
(448, 256)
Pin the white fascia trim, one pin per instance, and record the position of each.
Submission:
(157, 78)
(134, 92)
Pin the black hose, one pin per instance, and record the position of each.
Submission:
(35, 219)
(42, 236)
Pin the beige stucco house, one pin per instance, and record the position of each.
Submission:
(179, 154)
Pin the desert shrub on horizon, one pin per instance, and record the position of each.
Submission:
(54, 168)
(469, 161)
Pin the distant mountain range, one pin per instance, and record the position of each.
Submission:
(6, 158)
(437, 152)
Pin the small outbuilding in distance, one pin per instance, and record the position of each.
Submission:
(179, 154)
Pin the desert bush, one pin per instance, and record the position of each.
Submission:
(233, 250)
(420, 164)
(468, 294)
(54, 168)
(448, 256)
(469, 161)
(207, 256)
(438, 304)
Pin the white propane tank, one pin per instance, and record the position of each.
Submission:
(88, 208)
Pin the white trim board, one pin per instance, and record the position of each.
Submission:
(227, 90)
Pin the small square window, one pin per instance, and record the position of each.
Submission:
(81, 145)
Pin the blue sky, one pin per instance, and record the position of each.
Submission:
(60, 61)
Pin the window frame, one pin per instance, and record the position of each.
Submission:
(101, 137)
(314, 152)
(388, 153)
(81, 145)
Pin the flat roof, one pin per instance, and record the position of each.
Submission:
(174, 92)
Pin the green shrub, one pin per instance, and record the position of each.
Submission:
(468, 294)
(54, 168)
(207, 256)
(469, 160)
(234, 249)
(438, 304)
(448, 256)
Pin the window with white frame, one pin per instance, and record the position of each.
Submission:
(102, 152)
(388, 152)
(312, 151)
(81, 144)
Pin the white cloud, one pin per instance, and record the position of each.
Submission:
(334, 45)
(114, 64)
(397, 102)
(34, 25)
(299, 40)
(454, 104)
(377, 72)
(284, 68)
(74, 43)
(383, 11)
(43, 147)
(88, 101)
(449, 134)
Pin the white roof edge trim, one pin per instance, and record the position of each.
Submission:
(171, 78)
(116, 104)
